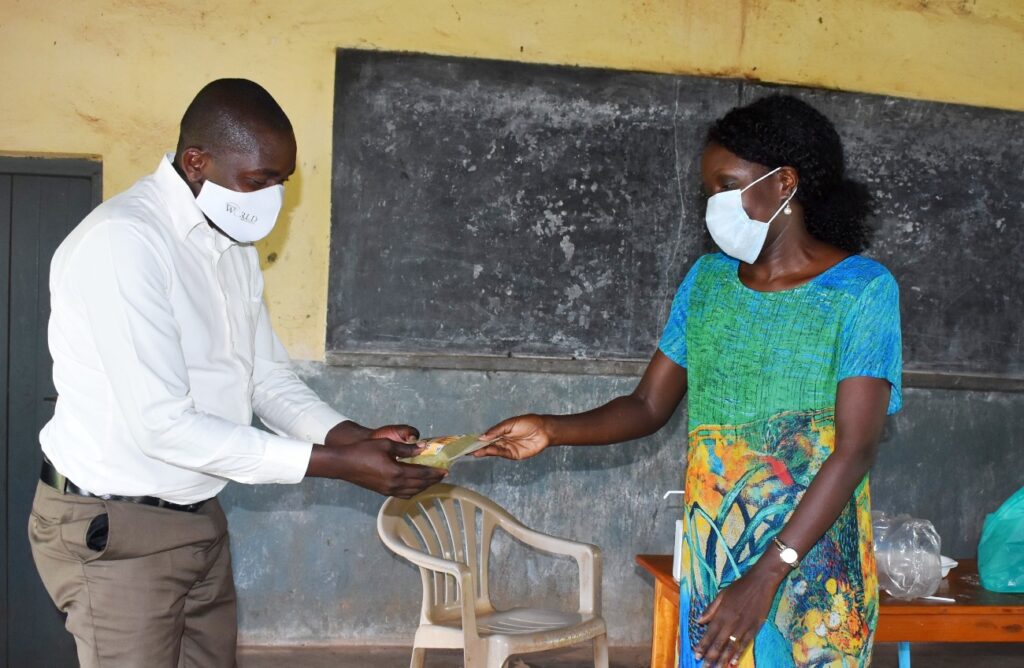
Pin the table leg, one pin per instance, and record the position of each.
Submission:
(903, 651)
(666, 629)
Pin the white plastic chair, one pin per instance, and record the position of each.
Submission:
(437, 531)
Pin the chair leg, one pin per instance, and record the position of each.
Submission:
(496, 660)
(419, 656)
(476, 656)
(601, 651)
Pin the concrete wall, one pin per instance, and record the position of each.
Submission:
(110, 79)
(310, 568)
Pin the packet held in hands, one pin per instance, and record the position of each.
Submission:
(441, 451)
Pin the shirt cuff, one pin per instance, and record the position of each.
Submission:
(315, 422)
(284, 460)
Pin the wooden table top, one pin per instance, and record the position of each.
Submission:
(976, 615)
(964, 586)
(658, 565)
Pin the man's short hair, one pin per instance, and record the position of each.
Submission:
(227, 115)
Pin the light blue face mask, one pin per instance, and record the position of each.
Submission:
(736, 233)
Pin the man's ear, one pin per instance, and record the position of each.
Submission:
(193, 164)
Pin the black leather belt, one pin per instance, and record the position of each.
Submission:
(52, 477)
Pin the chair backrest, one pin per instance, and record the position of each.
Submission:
(447, 522)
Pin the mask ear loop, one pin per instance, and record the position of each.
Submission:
(761, 178)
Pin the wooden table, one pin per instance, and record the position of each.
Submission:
(665, 624)
(977, 615)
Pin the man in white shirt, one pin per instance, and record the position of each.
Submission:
(162, 351)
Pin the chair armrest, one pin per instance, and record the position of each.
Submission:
(430, 562)
(548, 543)
(587, 556)
(462, 574)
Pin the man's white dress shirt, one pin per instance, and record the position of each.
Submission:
(162, 350)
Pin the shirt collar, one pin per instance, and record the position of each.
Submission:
(185, 214)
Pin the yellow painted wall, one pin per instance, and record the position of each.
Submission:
(112, 78)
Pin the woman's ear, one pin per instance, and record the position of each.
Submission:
(789, 179)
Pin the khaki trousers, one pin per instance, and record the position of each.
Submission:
(160, 595)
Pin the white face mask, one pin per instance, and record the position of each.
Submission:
(736, 233)
(245, 217)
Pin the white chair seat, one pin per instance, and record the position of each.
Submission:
(546, 629)
(527, 620)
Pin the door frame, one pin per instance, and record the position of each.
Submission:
(89, 167)
(86, 166)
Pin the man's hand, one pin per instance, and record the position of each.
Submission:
(402, 433)
(372, 463)
(348, 432)
(519, 438)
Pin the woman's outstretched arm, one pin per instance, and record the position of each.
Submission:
(638, 414)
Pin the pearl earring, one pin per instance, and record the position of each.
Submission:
(788, 210)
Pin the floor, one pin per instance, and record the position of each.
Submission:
(923, 655)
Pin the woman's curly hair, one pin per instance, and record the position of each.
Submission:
(782, 131)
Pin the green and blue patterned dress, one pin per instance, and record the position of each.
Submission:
(762, 370)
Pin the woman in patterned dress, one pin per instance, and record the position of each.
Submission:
(788, 345)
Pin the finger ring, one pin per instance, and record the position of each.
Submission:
(733, 638)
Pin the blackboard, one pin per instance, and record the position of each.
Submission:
(490, 210)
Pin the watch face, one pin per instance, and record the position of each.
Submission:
(789, 555)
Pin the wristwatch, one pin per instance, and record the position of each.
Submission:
(787, 554)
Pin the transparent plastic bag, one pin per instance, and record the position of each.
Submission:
(1001, 549)
(907, 550)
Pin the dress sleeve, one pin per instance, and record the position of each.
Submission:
(673, 339)
(870, 341)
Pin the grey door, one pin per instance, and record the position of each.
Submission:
(40, 202)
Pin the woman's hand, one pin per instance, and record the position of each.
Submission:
(738, 612)
(518, 438)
